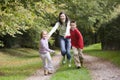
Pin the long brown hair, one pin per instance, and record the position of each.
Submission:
(66, 20)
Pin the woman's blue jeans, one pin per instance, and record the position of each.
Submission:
(65, 46)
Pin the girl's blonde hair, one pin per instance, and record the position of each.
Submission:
(41, 35)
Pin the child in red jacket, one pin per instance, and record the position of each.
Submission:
(77, 44)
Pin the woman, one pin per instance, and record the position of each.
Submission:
(63, 25)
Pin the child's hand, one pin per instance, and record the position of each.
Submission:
(53, 53)
(67, 37)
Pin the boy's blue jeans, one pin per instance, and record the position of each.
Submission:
(65, 45)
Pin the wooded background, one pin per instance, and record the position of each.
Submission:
(21, 21)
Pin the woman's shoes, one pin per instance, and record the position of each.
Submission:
(69, 63)
(63, 62)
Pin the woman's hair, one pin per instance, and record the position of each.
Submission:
(41, 35)
(66, 20)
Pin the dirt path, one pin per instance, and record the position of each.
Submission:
(101, 69)
(39, 74)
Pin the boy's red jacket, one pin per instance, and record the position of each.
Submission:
(76, 38)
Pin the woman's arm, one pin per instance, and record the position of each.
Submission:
(67, 33)
(53, 29)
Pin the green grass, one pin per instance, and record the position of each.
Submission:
(66, 73)
(95, 50)
(17, 64)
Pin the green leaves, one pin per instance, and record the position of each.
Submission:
(32, 16)
(14, 19)
(26, 17)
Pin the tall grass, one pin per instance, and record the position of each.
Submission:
(95, 50)
(17, 64)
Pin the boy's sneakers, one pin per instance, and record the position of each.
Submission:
(78, 67)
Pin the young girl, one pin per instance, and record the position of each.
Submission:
(77, 44)
(45, 53)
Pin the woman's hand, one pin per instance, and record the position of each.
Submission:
(48, 37)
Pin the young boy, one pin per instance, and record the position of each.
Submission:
(77, 44)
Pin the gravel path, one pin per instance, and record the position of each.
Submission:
(101, 69)
(39, 74)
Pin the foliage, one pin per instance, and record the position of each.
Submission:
(14, 17)
(24, 16)
(28, 17)
(110, 35)
(90, 15)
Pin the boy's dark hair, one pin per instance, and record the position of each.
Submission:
(73, 21)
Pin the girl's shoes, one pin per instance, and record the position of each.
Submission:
(45, 72)
(50, 72)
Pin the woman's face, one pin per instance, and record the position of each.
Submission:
(62, 17)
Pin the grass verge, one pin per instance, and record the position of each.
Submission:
(95, 50)
(17, 64)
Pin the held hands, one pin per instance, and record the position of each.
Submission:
(53, 52)
(67, 36)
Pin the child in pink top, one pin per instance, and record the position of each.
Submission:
(45, 53)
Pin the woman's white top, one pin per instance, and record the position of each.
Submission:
(64, 31)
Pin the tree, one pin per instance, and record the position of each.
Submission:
(91, 15)
(110, 32)
(24, 16)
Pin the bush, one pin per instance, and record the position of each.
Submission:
(110, 35)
